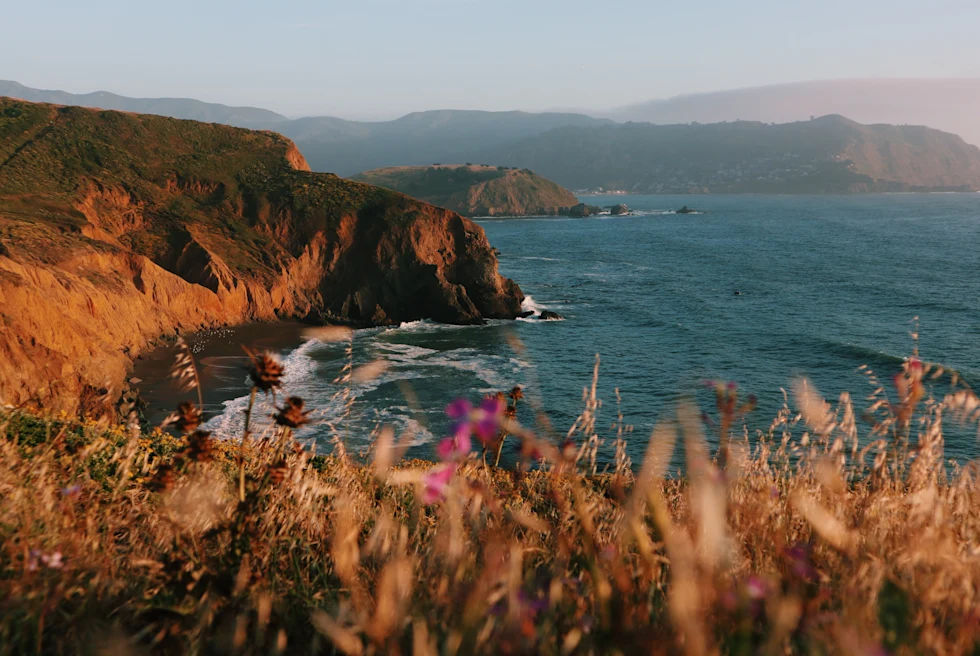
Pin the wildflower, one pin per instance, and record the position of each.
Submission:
(291, 414)
(266, 371)
(187, 417)
(799, 561)
(436, 482)
(459, 409)
(72, 491)
(516, 394)
(756, 588)
(458, 445)
(200, 447)
(486, 419)
(53, 560)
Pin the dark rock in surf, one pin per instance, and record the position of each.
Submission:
(582, 211)
(619, 210)
(548, 315)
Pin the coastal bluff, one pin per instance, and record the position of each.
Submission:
(118, 229)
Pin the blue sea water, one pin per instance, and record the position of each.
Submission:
(825, 285)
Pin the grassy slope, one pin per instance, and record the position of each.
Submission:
(475, 190)
(797, 543)
(183, 172)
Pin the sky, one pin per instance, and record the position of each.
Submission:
(378, 59)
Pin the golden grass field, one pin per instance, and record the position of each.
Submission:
(839, 530)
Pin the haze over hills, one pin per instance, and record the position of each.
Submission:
(951, 105)
(418, 139)
(831, 154)
(475, 190)
(185, 108)
(582, 152)
(337, 145)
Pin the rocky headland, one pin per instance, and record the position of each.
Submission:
(117, 229)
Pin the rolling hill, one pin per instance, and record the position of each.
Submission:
(475, 190)
(336, 145)
(831, 154)
(184, 108)
(419, 139)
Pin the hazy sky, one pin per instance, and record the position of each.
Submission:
(382, 58)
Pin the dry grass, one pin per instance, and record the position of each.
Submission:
(807, 538)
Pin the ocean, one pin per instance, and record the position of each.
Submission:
(756, 290)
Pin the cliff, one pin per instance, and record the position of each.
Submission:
(476, 190)
(116, 229)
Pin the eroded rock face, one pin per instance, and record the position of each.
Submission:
(117, 229)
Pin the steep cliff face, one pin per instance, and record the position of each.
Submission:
(116, 229)
(476, 190)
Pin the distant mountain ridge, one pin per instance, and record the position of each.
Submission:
(183, 108)
(418, 139)
(831, 154)
(475, 190)
(950, 104)
(337, 145)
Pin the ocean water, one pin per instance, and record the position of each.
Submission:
(825, 284)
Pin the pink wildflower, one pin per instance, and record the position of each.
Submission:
(436, 482)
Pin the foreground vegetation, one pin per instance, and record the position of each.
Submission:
(810, 537)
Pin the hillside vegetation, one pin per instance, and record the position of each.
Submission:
(475, 190)
(116, 229)
(827, 155)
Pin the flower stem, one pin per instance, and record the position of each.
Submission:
(241, 454)
(500, 448)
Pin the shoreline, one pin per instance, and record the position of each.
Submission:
(221, 363)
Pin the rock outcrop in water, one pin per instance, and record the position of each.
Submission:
(117, 229)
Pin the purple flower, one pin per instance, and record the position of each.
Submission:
(72, 490)
(799, 561)
(492, 406)
(53, 560)
(756, 588)
(459, 409)
(435, 483)
(486, 419)
(452, 448)
(531, 605)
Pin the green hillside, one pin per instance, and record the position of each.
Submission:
(476, 190)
